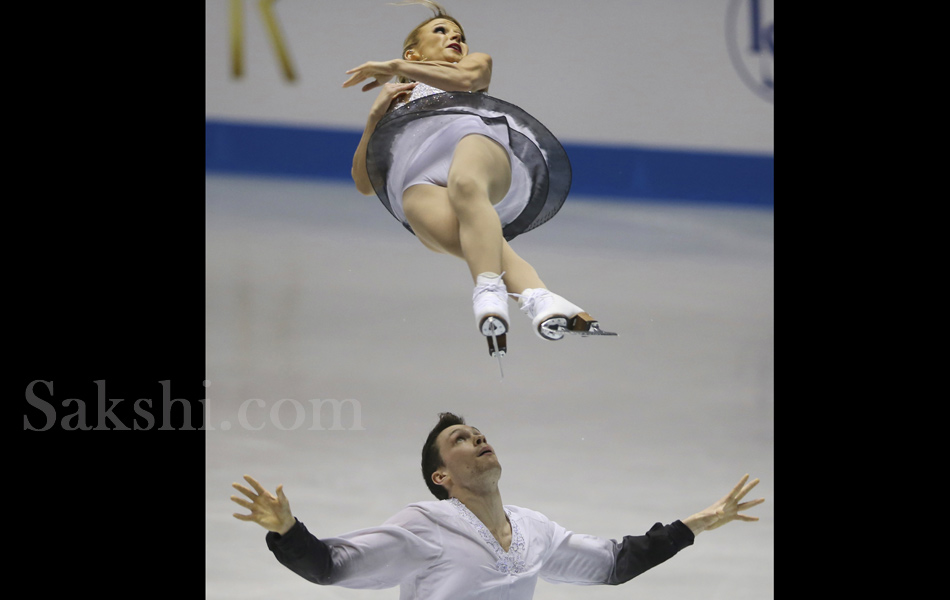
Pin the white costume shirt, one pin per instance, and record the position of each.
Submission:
(440, 550)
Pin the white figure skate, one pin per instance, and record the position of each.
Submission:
(553, 317)
(490, 301)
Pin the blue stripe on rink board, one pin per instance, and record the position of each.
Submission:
(618, 172)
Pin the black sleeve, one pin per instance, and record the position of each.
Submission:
(638, 553)
(301, 552)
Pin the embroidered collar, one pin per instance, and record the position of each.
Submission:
(512, 561)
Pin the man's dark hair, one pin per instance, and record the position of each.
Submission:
(432, 458)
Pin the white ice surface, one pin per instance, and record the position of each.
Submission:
(316, 293)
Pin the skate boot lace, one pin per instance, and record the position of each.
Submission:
(490, 294)
(534, 301)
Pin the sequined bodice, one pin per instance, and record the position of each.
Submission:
(422, 90)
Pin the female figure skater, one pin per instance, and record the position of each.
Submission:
(465, 172)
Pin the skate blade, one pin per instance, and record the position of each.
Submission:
(582, 325)
(495, 332)
(492, 325)
(553, 329)
(497, 340)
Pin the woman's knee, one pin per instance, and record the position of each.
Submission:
(480, 171)
(466, 188)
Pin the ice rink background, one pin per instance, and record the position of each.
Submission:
(316, 293)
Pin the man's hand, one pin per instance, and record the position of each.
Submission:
(267, 510)
(726, 509)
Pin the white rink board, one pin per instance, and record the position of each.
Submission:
(650, 73)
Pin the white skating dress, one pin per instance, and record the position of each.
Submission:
(414, 143)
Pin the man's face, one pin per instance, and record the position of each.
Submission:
(467, 457)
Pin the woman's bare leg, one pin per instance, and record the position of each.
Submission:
(433, 220)
(479, 178)
(460, 220)
(519, 274)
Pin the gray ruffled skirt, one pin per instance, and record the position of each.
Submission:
(414, 144)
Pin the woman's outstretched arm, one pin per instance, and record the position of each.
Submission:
(389, 93)
(471, 74)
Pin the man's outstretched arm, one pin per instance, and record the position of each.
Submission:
(374, 557)
(587, 560)
(292, 545)
(301, 552)
(636, 554)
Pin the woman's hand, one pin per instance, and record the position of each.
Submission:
(390, 93)
(379, 72)
(267, 510)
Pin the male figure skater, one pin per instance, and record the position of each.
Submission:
(467, 544)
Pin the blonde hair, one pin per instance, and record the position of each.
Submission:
(438, 12)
